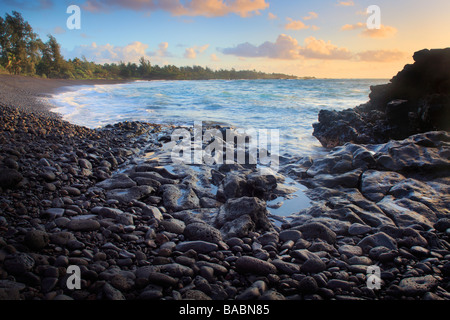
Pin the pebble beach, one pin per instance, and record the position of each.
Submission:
(138, 228)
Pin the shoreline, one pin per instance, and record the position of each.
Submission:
(109, 201)
(42, 87)
(38, 88)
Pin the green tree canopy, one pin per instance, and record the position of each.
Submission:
(19, 50)
(22, 52)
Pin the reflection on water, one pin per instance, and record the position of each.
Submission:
(284, 206)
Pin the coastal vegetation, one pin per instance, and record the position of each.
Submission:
(23, 52)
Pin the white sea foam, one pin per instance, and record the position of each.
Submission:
(291, 106)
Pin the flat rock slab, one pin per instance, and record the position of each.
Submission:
(376, 184)
(318, 230)
(376, 240)
(405, 212)
(179, 197)
(128, 195)
(119, 181)
(346, 180)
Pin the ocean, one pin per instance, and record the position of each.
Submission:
(291, 106)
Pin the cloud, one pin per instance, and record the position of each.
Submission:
(108, 53)
(214, 57)
(59, 30)
(162, 51)
(206, 8)
(271, 16)
(298, 25)
(381, 55)
(94, 6)
(191, 53)
(295, 25)
(214, 8)
(136, 5)
(382, 32)
(358, 25)
(319, 49)
(287, 48)
(202, 48)
(312, 15)
(29, 5)
(362, 13)
(349, 3)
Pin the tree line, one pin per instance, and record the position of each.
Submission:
(23, 52)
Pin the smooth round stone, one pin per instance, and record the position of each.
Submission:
(357, 229)
(36, 239)
(419, 251)
(83, 225)
(308, 285)
(18, 263)
(197, 245)
(292, 235)
(313, 265)
(247, 264)
(350, 251)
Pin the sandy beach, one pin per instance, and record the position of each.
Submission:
(40, 86)
(18, 90)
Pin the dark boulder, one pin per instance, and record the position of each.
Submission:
(9, 178)
(242, 184)
(239, 216)
(416, 100)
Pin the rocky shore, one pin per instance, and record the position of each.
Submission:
(416, 100)
(110, 202)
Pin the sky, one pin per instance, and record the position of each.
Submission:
(321, 38)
